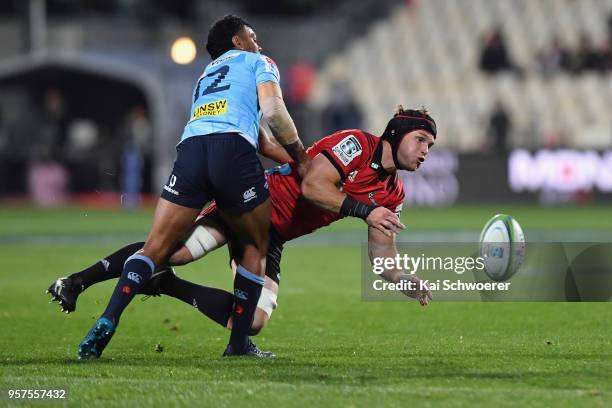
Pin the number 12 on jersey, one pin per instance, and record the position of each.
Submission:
(218, 75)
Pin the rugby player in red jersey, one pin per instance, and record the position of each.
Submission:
(353, 173)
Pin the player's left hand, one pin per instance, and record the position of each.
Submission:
(422, 294)
(385, 220)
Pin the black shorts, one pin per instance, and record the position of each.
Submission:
(223, 167)
(275, 248)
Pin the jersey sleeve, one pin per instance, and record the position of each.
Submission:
(266, 70)
(347, 152)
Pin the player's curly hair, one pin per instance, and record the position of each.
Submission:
(422, 111)
(221, 32)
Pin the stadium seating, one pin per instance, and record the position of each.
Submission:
(427, 54)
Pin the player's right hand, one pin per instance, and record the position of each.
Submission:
(421, 293)
(385, 220)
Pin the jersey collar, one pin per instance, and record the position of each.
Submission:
(376, 163)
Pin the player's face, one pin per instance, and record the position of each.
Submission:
(413, 149)
(247, 40)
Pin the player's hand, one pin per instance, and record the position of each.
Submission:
(423, 295)
(385, 220)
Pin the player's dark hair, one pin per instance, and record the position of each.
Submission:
(404, 121)
(220, 35)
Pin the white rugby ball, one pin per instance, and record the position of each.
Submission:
(502, 246)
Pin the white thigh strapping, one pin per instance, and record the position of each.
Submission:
(267, 301)
(200, 242)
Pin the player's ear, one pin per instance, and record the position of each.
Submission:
(237, 41)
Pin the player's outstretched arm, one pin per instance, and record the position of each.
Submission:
(382, 246)
(275, 113)
(270, 148)
(320, 186)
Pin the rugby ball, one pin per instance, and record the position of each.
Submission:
(502, 247)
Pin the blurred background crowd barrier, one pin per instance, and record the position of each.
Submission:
(94, 94)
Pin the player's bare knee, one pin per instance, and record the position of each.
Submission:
(259, 322)
(181, 257)
(265, 307)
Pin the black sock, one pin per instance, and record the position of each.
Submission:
(247, 289)
(108, 268)
(136, 273)
(215, 303)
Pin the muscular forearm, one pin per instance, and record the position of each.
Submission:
(321, 190)
(382, 247)
(280, 122)
(323, 194)
(270, 148)
(385, 251)
(297, 152)
(282, 127)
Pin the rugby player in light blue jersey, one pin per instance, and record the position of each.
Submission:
(217, 159)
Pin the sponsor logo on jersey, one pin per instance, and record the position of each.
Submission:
(210, 109)
(133, 276)
(249, 194)
(105, 263)
(347, 149)
(352, 175)
(221, 60)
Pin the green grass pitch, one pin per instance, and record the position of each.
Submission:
(333, 348)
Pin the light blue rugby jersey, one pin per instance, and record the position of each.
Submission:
(225, 97)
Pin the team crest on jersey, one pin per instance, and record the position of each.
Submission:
(347, 149)
(210, 109)
(271, 65)
(371, 197)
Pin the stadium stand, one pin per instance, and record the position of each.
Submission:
(427, 54)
